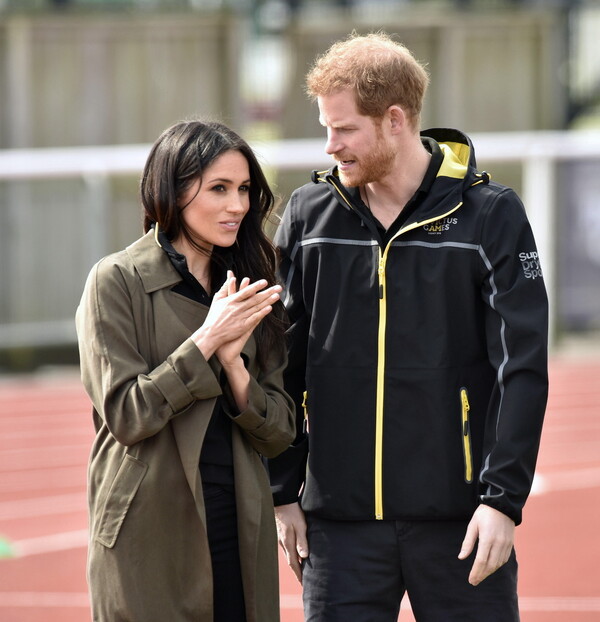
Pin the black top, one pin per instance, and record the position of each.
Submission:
(216, 458)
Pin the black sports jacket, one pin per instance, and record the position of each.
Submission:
(419, 361)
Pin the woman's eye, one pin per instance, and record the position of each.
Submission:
(218, 188)
(245, 188)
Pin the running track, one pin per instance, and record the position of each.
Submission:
(45, 435)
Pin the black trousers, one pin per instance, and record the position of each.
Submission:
(358, 571)
(221, 520)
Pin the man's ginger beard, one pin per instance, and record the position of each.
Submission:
(372, 167)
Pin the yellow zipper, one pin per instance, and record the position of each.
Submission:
(381, 362)
(380, 384)
(381, 353)
(466, 435)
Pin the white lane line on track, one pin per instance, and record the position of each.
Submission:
(48, 478)
(51, 543)
(44, 600)
(290, 601)
(45, 417)
(43, 414)
(580, 604)
(27, 452)
(565, 454)
(43, 409)
(43, 457)
(571, 479)
(43, 506)
(46, 434)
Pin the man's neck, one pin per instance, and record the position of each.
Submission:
(387, 197)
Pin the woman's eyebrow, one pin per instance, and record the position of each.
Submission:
(226, 180)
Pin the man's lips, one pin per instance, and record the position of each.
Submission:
(344, 163)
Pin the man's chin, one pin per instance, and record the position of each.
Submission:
(349, 181)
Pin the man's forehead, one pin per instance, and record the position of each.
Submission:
(337, 109)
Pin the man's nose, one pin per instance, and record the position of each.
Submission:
(333, 144)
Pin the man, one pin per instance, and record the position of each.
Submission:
(418, 354)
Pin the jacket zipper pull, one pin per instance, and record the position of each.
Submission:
(466, 436)
(466, 409)
(305, 409)
(381, 273)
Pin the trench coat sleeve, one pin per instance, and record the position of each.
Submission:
(268, 422)
(135, 401)
(287, 471)
(517, 335)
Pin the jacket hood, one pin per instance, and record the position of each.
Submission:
(457, 173)
(459, 154)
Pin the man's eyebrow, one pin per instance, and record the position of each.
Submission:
(335, 125)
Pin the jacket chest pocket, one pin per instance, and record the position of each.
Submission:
(466, 435)
(120, 496)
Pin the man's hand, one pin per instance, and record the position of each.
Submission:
(496, 533)
(291, 532)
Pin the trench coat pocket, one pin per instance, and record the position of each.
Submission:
(121, 494)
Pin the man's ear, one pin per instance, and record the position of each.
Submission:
(397, 119)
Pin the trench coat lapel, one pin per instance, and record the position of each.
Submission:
(181, 316)
(176, 318)
(190, 426)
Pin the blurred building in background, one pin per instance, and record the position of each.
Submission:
(89, 73)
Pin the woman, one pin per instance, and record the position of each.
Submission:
(183, 364)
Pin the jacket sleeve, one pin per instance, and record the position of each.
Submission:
(268, 422)
(517, 336)
(134, 401)
(287, 471)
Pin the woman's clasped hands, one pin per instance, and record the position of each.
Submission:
(234, 313)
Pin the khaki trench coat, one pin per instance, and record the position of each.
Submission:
(153, 394)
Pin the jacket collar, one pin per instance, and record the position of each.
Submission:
(455, 175)
(152, 264)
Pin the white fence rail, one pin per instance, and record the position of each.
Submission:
(537, 152)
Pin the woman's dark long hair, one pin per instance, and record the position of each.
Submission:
(178, 158)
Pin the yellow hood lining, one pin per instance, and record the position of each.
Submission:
(456, 160)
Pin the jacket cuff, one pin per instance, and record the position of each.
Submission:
(254, 415)
(186, 376)
(500, 504)
(287, 473)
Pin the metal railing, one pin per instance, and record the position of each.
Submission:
(538, 153)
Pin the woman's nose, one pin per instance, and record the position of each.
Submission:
(238, 203)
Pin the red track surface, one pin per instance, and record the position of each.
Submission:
(45, 436)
